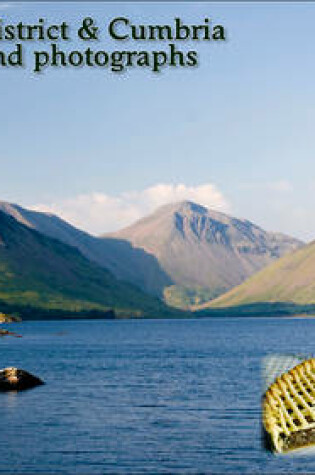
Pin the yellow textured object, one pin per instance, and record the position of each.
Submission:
(289, 408)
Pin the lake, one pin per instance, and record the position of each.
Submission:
(145, 396)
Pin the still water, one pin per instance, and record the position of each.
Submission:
(145, 396)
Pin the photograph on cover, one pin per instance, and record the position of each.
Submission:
(288, 403)
(157, 253)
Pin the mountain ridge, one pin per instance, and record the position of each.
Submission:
(118, 256)
(183, 252)
(205, 249)
(44, 273)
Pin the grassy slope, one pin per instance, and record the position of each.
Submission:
(118, 256)
(38, 271)
(187, 297)
(290, 280)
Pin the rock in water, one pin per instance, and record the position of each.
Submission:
(14, 379)
(4, 332)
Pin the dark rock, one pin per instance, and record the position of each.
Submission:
(14, 379)
(12, 318)
(4, 332)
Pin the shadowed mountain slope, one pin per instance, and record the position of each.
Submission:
(203, 251)
(290, 280)
(117, 255)
(44, 273)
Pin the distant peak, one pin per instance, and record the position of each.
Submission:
(194, 207)
(184, 206)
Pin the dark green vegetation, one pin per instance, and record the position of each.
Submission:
(42, 277)
(277, 309)
(126, 262)
(287, 285)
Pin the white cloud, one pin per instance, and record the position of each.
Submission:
(99, 212)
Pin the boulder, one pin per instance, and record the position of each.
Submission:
(14, 379)
(4, 332)
(6, 318)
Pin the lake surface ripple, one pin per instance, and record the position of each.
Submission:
(145, 396)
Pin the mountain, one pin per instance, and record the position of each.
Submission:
(47, 276)
(118, 256)
(290, 280)
(183, 252)
(204, 252)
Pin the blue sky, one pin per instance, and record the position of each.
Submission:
(236, 133)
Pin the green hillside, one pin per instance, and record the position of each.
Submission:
(183, 252)
(290, 280)
(42, 273)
